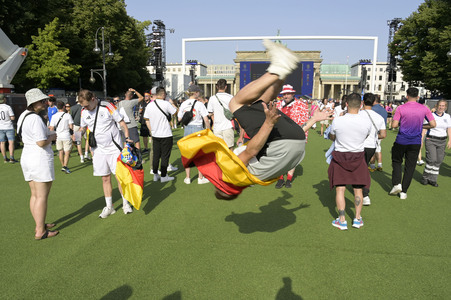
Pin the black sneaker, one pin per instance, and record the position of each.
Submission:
(433, 183)
(67, 170)
(280, 184)
(12, 161)
(424, 181)
(288, 184)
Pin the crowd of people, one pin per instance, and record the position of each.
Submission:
(272, 133)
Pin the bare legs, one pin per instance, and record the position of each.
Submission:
(341, 204)
(38, 206)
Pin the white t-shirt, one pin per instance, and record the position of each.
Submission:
(62, 131)
(6, 113)
(350, 132)
(159, 125)
(106, 129)
(338, 110)
(443, 123)
(33, 130)
(199, 111)
(220, 121)
(371, 140)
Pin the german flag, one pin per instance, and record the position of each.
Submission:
(132, 182)
(217, 162)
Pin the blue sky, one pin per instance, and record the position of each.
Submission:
(196, 18)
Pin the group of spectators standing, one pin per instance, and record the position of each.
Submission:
(356, 130)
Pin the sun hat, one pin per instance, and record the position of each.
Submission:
(287, 88)
(35, 95)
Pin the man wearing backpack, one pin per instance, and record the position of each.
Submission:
(63, 124)
(158, 114)
(218, 107)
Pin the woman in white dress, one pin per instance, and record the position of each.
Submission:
(37, 160)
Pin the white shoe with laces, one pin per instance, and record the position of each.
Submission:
(396, 189)
(366, 201)
(127, 209)
(156, 177)
(402, 196)
(283, 60)
(172, 168)
(203, 181)
(166, 178)
(187, 180)
(106, 212)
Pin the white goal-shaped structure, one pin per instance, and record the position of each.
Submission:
(314, 37)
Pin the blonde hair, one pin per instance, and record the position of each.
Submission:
(438, 103)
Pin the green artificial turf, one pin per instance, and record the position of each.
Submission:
(267, 244)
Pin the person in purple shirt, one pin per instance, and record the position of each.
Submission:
(409, 117)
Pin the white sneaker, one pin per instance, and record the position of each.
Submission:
(87, 157)
(187, 180)
(203, 181)
(127, 209)
(106, 212)
(396, 189)
(82, 159)
(156, 177)
(402, 196)
(166, 178)
(172, 168)
(283, 60)
(420, 162)
(366, 201)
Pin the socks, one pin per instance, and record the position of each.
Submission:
(379, 165)
(109, 202)
(281, 177)
(124, 201)
(289, 177)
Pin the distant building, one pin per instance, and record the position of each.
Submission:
(336, 80)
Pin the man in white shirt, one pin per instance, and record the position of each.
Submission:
(156, 115)
(378, 132)
(63, 124)
(6, 130)
(222, 127)
(348, 163)
(106, 152)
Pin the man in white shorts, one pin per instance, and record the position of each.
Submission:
(222, 127)
(63, 124)
(105, 154)
(6, 130)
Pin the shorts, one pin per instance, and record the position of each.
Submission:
(104, 164)
(133, 134)
(144, 131)
(281, 157)
(227, 135)
(192, 129)
(325, 122)
(37, 163)
(66, 145)
(7, 134)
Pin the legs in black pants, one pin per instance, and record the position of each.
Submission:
(161, 150)
(398, 153)
(369, 152)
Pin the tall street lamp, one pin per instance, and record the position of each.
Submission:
(98, 50)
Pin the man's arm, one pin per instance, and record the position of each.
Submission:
(148, 125)
(382, 134)
(395, 124)
(430, 125)
(125, 130)
(258, 141)
(207, 122)
(140, 97)
(317, 116)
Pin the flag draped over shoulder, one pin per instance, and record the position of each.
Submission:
(131, 181)
(217, 162)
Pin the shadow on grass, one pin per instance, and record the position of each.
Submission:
(286, 292)
(89, 208)
(327, 198)
(157, 192)
(273, 216)
(121, 293)
(174, 296)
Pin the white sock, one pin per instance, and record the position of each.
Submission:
(86, 153)
(379, 165)
(109, 202)
(124, 201)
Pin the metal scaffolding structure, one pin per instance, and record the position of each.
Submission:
(392, 68)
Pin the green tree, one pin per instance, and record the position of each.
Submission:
(48, 63)
(422, 44)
